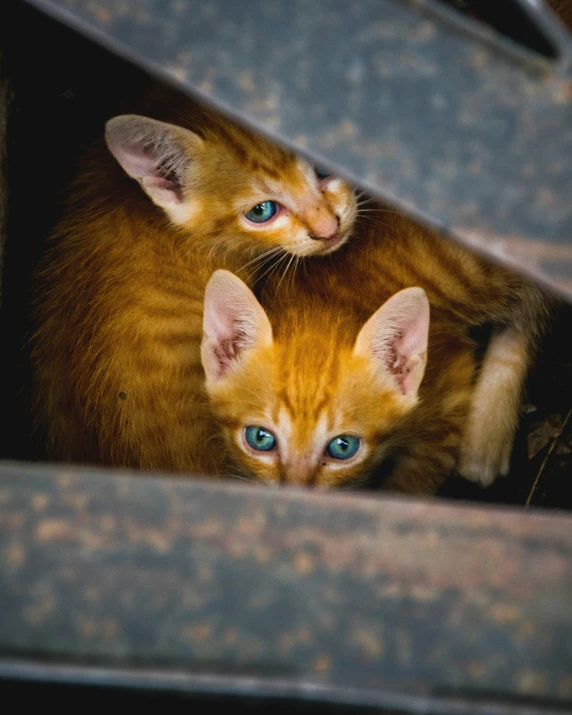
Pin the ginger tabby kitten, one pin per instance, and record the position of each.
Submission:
(116, 353)
(328, 384)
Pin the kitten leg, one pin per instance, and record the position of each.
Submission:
(493, 417)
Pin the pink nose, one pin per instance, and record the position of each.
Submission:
(323, 224)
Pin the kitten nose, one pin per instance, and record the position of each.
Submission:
(324, 225)
(299, 472)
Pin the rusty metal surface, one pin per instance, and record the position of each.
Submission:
(203, 585)
(461, 128)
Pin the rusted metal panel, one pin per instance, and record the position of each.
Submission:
(459, 127)
(229, 588)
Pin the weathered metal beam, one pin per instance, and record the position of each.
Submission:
(211, 587)
(459, 127)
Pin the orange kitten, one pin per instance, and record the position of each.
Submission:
(325, 397)
(336, 366)
(120, 294)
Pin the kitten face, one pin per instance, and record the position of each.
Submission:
(234, 189)
(331, 431)
(293, 411)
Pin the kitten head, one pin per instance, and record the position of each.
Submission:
(232, 188)
(311, 404)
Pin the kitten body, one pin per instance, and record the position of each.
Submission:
(308, 383)
(116, 354)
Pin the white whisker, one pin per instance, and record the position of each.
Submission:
(266, 254)
(285, 272)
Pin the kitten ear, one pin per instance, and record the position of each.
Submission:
(233, 321)
(155, 153)
(396, 337)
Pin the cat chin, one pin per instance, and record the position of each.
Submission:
(319, 248)
(333, 245)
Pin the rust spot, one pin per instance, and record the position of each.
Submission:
(425, 593)
(77, 501)
(303, 563)
(54, 530)
(197, 632)
(525, 631)
(38, 614)
(107, 522)
(480, 59)
(323, 663)
(237, 549)
(504, 613)
(231, 637)
(249, 526)
(263, 553)
(246, 82)
(110, 629)
(103, 15)
(87, 627)
(477, 670)
(40, 502)
(368, 643)
(15, 555)
(565, 687)
(90, 594)
(561, 91)
(289, 640)
(154, 538)
(545, 198)
(531, 681)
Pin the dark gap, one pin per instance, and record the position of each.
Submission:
(509, 19)
(66, 695)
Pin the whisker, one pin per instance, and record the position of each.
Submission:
(285, 272)
(370, 210)
(239, 476)
(295, 270)
(268, 260)
(269, 253)
(273, 266)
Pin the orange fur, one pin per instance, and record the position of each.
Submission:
(307, 385)
(116, 351)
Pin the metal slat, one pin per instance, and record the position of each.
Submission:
(196, 585)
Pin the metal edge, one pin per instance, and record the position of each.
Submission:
(266, 687)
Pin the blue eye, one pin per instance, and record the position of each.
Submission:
(322, 173)
(343, 446)
(260, 439)
(262, 212)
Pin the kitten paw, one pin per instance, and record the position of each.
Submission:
(483, 460)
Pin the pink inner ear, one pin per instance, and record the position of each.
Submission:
(409, 340)
(228, 339)
(396, 336)
(233, 321)
(150, 152)
(409, 348)
(404, 358)
(135, 160)
(141, 163)
(167, 187)
(217, 357)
